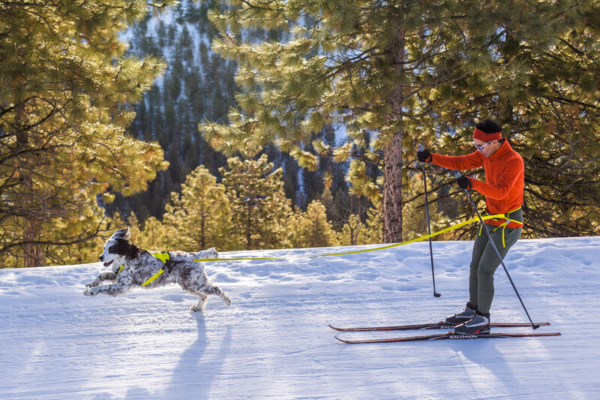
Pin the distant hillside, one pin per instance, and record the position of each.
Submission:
(199, 85)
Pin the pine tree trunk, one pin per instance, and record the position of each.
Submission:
(202, 233)
(248, 225)
(34, 255)
(392, 173)
(392, 192)
(202, 225)
(316, 234)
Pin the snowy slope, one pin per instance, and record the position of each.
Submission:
(274, 341)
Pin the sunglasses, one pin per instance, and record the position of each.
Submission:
(480, 147)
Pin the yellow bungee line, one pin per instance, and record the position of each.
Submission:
(425, 237)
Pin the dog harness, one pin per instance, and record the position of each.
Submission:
(165, 258)
(162, 256)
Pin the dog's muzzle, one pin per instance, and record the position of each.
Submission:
(107, 264)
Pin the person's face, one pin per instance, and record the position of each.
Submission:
(486, 148)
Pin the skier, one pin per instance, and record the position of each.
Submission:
(503, 190)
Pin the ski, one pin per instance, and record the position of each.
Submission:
(437, 325)
(449, 335)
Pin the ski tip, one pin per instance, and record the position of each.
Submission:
(334, 328)
(342, 340)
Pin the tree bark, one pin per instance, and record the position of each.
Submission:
(202, 225)
(34, 255)
(392, 192)
(248, 227)
(392, 172)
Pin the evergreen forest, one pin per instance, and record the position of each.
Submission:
(266, 125)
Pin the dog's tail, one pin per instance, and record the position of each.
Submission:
(210, 253)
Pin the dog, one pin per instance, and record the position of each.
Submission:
(134, 267)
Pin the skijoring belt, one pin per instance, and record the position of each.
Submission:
(505, 224)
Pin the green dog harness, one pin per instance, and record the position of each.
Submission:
(162, 256)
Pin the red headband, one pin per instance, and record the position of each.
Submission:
(486, 137)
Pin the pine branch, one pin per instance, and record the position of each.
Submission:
(78, 239)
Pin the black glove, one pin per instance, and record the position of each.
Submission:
(424, 156)
(464, 182)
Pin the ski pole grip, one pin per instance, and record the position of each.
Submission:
(455, 174)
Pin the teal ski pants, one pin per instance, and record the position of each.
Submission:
(484, 263)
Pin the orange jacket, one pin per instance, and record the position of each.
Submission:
(504, 175)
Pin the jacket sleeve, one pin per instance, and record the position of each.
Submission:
(470, 161)
(500, 190)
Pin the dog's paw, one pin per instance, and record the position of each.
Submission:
(91, 284)
(195, 308)
(91, 291)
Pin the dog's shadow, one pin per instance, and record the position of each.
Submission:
(193, 375)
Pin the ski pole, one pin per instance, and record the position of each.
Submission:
(435, 293)
(534, 326)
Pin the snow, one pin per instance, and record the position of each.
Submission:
(273, 342)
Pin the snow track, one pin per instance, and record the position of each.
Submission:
(274, 341)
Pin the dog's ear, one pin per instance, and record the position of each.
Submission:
(124, 248)
(121, 247)
(122, 234)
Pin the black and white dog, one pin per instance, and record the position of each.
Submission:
(133, 267)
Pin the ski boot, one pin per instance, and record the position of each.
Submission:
(480, 324)
(466, 315)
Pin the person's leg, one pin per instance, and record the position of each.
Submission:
(479, 246)
(489, 262)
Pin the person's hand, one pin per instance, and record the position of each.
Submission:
(424, 156)
(464, 183)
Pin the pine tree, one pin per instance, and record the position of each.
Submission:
(296, 225)
(133, 223)
(374, 226)
(311, 228)
(259, 208)
(66, 91)
(353, 232)
(345, 63)
(541, 92)
(156, 236)
(200, 216)
(400, 71)
(189, 93)
(319, 231)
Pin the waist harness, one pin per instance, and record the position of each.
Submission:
(504, 225)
